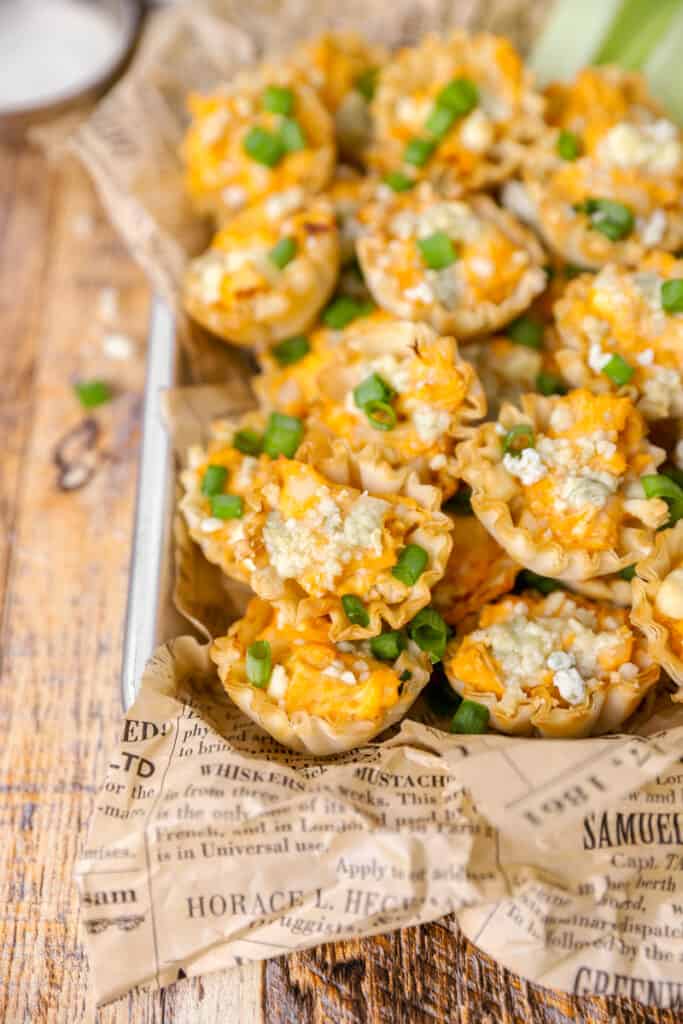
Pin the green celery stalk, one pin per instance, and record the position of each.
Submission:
(636, 31)
(573, 35)
(663, 69)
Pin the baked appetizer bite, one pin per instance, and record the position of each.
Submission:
(558, 666)
(464, 266)
(621, 330)
(458, 111)
(311, 692)
(400, 388)
(291, 370)
(658, 601)
(264, 135)
(266, 274)
(606, 181)
(567, 485)
(478, 570)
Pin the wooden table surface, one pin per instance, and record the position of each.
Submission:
(64, 558)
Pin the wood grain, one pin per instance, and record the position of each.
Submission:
(64, 559)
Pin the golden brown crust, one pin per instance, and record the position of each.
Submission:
(663, 632)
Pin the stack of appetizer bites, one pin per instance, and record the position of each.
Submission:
(382, 522)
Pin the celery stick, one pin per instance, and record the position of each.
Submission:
(573, 35)
(663, 69)
(636, 31)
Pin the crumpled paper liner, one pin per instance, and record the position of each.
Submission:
(210, 844)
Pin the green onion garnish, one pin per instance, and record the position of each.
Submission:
(388, 646)
(628, 572)
(613, 220)
(278, 100)
(672, 295)
(568, 145)
(249, 442)
(91, 393)
(227, 506)
(411, 563)
(366, 83)
(398, 181)
(283, 435)
(263, 147)
(440, 122)
(291, 135)
(550, 384)
(461, 502)
(526, 331)
(437, 251)
(618, 370)
(291, 350)
(381, 415)
(460, 96)
(372, 389)
(673, 473)
(283, 252)
(543, 584)
(213, 480)
(429, 631)
(418, 152)
(656, 485)
(343, 310)
(354, 609)
(518, 438)
(470, 718)
(259, 663)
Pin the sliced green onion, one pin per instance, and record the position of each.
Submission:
(418, 152)
(437, 251)
(461, 502)
(227, 506)
(531, 580)
(283, 435)
(673, 473)
(249, 442)
(628, 572)
(613, 220)
(471, 718)
(526, 331)
(213, 480)
(366, 83)
(388, 646)
(656, 485)
(259, 663)
(291, 350)
(672, 295)
(518, 438)
(411, 563)
(618, 370)
(283, 252)
(291, 135)
(91, 393)
(568, 145)
(277, 99)
(460, 96)
(381, 415)
(372, 389)
(440, 122)
(355, 611)
(550, 384)
(429, 631)
(398, 181)
(263, 146)
(344, 310)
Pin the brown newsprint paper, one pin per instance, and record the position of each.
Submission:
(210, 844)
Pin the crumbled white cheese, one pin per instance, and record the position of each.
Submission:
(282, 203)
(528, 466)
(653, 148)
(516, 199)
(628, 670)
(437, 462)
(234, 196)
(597, 357)
(481, 267)
(570, 685)
(210, 281)
(455, 219)
(392, 369)
(420, 292)
(661, 392)
(211, 524)
(279, 681)
(559, 659)
(446, 286)
(430, 423)
(476, 131)
(578, 491)
(646, 357)
(117, 346)
(654, 229)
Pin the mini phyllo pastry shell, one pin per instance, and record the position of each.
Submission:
(266, 274)
(464, 266)
(606, 181)
(618, 331)
(265, 135)
(457, 110)
(558, 484)
(658, 603)
(422, 396)
(558, 666)
(322, 696)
